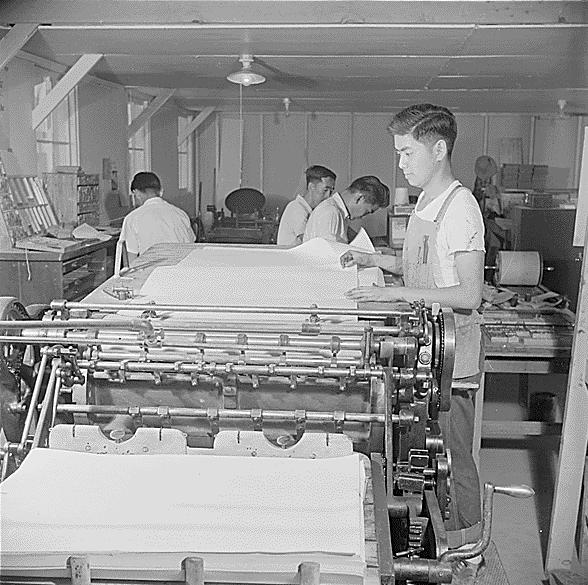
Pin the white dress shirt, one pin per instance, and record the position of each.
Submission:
(328, 220)
(293, 222)
(155, 222)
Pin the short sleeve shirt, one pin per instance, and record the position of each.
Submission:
(328, 220)
(461, 230)
(155, 222)
(293, 222)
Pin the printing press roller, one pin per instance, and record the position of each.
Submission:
(519, 268)
(349, 368)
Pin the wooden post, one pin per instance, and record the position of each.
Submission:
(561, 550)
(80, 570)
(194, 571)
(310, 573)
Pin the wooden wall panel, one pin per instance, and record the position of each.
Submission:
(555, 145)
(164, 145)
(284, 148)
(227, 179)
(102, 127)
(252, 166)
(277, 149)
(18, 79)
(329, 144)
(373, 148)
(468, 147)
(206, 160)
(513, 126)
(373, 154)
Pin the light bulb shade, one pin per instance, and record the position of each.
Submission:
(245, 77)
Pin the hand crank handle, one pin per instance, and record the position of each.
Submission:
(515, 491)
(470, 551)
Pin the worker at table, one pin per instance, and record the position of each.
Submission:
(154, 221)
(330, 219)
(442, 262)
(320, 184)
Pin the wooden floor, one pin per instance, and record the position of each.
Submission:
(521, 527)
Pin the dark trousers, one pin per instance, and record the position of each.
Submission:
(465, 508)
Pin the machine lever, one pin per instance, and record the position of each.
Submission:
(469, 551)
(515, 491)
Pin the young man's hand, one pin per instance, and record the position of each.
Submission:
(376, 293)
(352, 258)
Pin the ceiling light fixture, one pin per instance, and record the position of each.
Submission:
(246, 76)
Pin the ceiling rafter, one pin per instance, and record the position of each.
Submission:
(152, 108)
(197, 121)
(66, 84)
(14, 40)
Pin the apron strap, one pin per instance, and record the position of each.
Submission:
(441, 213)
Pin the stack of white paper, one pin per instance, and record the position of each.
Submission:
(124, 511)
(249, 277)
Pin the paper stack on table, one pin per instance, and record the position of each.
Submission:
(309, 274)
(238, 513)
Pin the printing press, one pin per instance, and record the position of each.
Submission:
(292, 382)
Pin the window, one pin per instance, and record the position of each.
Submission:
(57, 135)
(139, 151)
(185, 156)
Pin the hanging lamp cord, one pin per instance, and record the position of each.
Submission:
(240, 135)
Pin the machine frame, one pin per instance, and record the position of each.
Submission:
(399, 361)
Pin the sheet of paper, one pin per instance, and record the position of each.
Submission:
(174, 503)
(310, 274)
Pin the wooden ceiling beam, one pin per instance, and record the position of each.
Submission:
(62, 69)
(68, 82)
(154, 106)
(326, 11)
(14, 40)
(195, 123)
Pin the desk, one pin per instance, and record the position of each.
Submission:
(40, 277)
(232, 230)
(543, 354)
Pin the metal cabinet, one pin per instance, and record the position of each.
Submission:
(550, 231)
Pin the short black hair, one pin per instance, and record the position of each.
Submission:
(316, 173)
(374, 191)
(426, 123)
(146, 180)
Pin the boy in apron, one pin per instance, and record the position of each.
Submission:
(442, 262)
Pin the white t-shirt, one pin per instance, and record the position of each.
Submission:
(155, 222)
(328, 220)
(293, 222)
(461, 230)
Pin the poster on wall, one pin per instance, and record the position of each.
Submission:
(582, 210)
